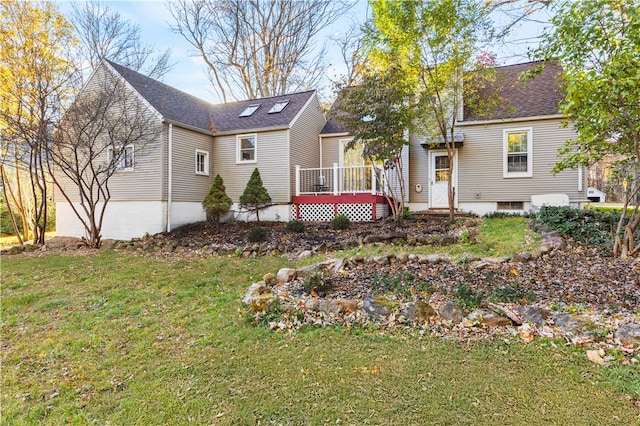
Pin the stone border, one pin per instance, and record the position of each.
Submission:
(439, 315)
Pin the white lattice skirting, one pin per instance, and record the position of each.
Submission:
(356, 212)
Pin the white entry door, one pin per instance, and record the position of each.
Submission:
(441, 172)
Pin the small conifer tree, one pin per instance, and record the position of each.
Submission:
(217, 202)
(255, 195)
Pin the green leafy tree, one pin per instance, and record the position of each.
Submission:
(255, 195)
(437, 43)
(597, 42)
(377, 112)
(217, 202)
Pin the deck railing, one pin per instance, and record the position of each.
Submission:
(339, 180)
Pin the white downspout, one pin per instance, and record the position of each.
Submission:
(320, 143)
(169, 176)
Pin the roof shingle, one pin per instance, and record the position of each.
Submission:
(180, 107)
(519, 96)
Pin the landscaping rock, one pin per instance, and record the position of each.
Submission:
(489, 318)
(432, 258)
(533, 315)
(332, 306)
(372, 307)
(628, 334)
(420, 311)
(305, 254)
(260, 298)
(285, 275)
(381, 260)
(522, 257)
(380, 238)
(447, 240)
(269, 279)
(449, 311)
(568, 324)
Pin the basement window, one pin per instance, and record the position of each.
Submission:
(248, 111)
(510, 205)
(278, 106)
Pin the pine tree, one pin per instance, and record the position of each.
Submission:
(217, 202)
(255, 195)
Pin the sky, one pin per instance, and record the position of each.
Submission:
(189, 71)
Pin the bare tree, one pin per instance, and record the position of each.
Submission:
(104, 33)
(353, 50)
(258, 48)
(103, 132)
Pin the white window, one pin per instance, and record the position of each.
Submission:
(202, 162)
(518, 153)
(125, 158)
(247, 149)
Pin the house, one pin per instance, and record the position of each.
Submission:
(502, 159)
(164, 186)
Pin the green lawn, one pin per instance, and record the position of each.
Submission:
(117, 339)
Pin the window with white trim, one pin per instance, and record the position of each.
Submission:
(247, 149)
(202, 162)
(125, 160)
(518, 152)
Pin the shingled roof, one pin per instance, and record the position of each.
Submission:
(519, 96)
(183, 108)
(333, 125)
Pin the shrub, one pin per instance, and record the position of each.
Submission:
(407, 213)
(257, 234)
(585, 226)
(399, 284)
(295, 226)
(255, 195)
(217, 202)
(318, 282)
(341, 221)
(466, 298)
(512, 293)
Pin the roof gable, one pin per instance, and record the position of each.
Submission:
(180, 107)
(520, 96)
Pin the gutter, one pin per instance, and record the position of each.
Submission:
(249, 130)
(509, 120)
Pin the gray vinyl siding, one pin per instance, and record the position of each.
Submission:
(272, 155)
(418, 171)
(480, 171)
(331, 150)
(144, 182)
(304, 146)
(187, 186)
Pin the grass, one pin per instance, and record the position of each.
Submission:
(11, 240)
(117, 339)
(497, 237)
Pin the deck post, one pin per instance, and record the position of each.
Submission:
(373, 180)
(335, 179)
(297, 180)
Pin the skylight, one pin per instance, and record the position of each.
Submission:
(248, 111)
(278, 106)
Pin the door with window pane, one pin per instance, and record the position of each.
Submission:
(355, 176)
(441, 173)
